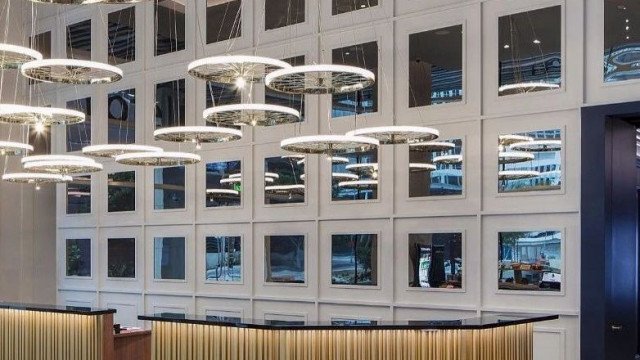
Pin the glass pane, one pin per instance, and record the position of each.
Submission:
(435, 260)
(354, 259)
(169, 258)
(283, 180)
(222, 94)
(281, 13)
(224, 20)
(224, 184)
(170, 104)
(78, 257)
(79, 40)
(224, 259)
(122, 36)
(346, 169)
(121, 258)
(344, 6)
(284, 259)
(289, 100)
(122, 117)
(363, 101)
(530, 261)
(352, 322)
(446, 179)
(435, 66)
(121, 188)
(42, 43)
(168, 188)
(79, 135)
(79, 195)
(530, 51)
(545, 168)
(169, 26)
(621, 45)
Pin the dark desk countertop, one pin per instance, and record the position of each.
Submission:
(56, 309)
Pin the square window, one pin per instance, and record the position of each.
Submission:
(435, 66)
(169, 188)
(224, 259)
(79, 135)
(224, 20)
(289, 100)
(170, 104)
(435, 260)
(121, 189)
(284, 259)
(354, 176)
(344, 6)
(169, 258)
(78, 257)
(121, 258)
(222, 94)
(530, 260)
(42, 43)
(530, 51)
(169, 26)
(122, 117)
(122, 36)
(281, 13)
(354, 259)
(224, 184)
(79, 195)
(79, 40)
(365, 100)
(446, 179)
(284, 180)
(621, 35)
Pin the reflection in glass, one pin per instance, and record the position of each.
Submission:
(223, 318)
(621, 45)
(546, 164)
(281, 13)
(42, 43)
(224, 259)
(168, 188)
(354, 259)
(224, 184)
(353, 167)
(284, 259)
(224, 20)
(79, 195)
(122, 117)
(530, 51)
(435, 260)
(170, 104)
(530, 261)
(79, 135)
(121, 257)
(446, 179)
(283, 180)
(345, 6)
(289, 100)
(169, 258)
(79, 40)
(363, 101)
(169, 25)
(435, 66)
(122, 36)
(121, 190)
(352, 322)
(78, 257)
(222, 94)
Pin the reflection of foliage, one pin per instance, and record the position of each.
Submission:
(122, 197)
(77, 265)
(122, 270)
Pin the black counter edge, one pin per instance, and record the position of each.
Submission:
(57, 309)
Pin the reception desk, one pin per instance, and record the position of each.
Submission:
(493, 337)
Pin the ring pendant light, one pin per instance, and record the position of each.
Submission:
(517, 174)
(12, 148)
(13, 56)
(33, 115)
(251, 114)
(234, 69)
(513, 157)
(320, 79)
(537, 145)
(447, 159)
(329, 144)
(112, 150)
(71, 71)
(197, 134)
(165, 158)
(398, 134)
(432, 146)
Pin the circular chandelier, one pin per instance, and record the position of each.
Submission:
(419, 167)
(111, 150)
(251, 114)
(33, 115)
(398, 134)
(525, 87)
(344, 176)
(432, 146)
(14, 148)
(362, 168)
(338, 159)
(13, 56)
(197, 134)
(235, 175)
(512, 157)
(537, 145)
(158, 158)
(71, 71)
(358, 183)
(271, 175)
(36, 178)
(60, 164)
(284, 188)
(320, 79)
(222, 192)
(234, 69)
(447, 159)
(329, 144)
(509, 139)
(517, 174)
(231, 180)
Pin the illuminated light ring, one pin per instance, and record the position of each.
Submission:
(320, 79)
(271, 175)
(509, 139)
(537, 145)
(447, 159)
(63, 166)
(513, 157)
(300, 162)
(362, 168)
(158, 159)
(228, 69)
(33, 115)
(222, 192)
(11, 148)
(348, 176)
(13, 56)
(358, 183)
(197, 134)
(251, 115)
(230, 180)
(338, 159)
(389, 135)
(517, 174)
(419, 167)
(232, 176)
(328, 144)
(293, 156)
(432, 146)
(36, 178)
(112, 150)
(71, 71)
(269, 180)
(526, 87)
(284, 188)
(35, 158)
